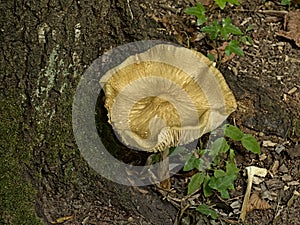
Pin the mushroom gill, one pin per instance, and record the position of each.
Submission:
(166, 96)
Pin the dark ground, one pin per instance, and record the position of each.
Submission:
(42, 175)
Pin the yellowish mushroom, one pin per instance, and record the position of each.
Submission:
(251, 172)
(166, 96)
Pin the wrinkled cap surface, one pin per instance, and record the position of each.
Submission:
(166, 96)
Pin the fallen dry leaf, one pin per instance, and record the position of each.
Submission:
(206, 2)
(255, 202)
(220, 53)
(291, 27)
(62, 219)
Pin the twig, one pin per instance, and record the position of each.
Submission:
(274, 12)
(269, 12)
(130, 11)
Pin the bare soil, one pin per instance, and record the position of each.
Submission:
(44, 178)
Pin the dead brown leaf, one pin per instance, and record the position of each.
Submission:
(255, 202)
(291, 27)
(206, 2)
(219, 53)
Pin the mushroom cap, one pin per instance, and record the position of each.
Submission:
(166, 96)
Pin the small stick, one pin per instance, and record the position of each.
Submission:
(279, 13)
(130, 11)
(163, 173)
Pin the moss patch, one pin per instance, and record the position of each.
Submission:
(16, 193)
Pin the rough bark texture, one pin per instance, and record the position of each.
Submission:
(45, 48)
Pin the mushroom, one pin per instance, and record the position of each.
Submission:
(251, 172)
(166, 96)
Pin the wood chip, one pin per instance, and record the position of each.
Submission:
(283, 169)
(293, 183)
(293, 198)
(272, 196)
(262, 157)
(235, 205)
(286, 177)
(279, 148)
(292, 91)
(268, 144)
(275, 167)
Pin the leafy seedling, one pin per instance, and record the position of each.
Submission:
(199, 12)
(222, 3)
(228, 28)
(216, 179)
(226, 31)
(286, 2)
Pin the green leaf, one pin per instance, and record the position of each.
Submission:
(243, 39)
(222, 184)
(177, 150)
(232, 169)
(233, 132)
(246, 40)
(199, 12)
(224, 194)
(222, 3)
(195, 182)
(235, 2)
(231, 154)
(228, 28)
(207, 190)
(211, 57)
(219, 173)
(201, 21)
(233, 47)
(286, 2)
(202, 152)
(190, 164)
(218, 146)
(250, 143)
(213, 30)
(249, 28)
(154, 158)
(249, 39)
(193, 163)
(205, 210)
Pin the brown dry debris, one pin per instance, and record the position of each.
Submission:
(291, 27)
(220, 53)
(174, 25)
(255, 202)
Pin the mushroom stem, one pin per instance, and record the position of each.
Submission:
(251, 171)
(163, 172)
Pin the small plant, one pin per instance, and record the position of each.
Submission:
(224, 31)
(222, 3)
(286, 2)
(291, 3)
(211, 177)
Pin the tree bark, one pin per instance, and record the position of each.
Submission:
(45, 48)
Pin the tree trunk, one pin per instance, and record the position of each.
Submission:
(45, 48)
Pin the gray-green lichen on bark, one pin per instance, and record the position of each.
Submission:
(45, 48)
